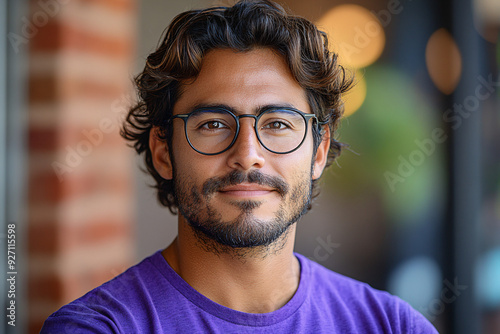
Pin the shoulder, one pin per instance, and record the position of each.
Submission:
(358, 304)
(111, 307)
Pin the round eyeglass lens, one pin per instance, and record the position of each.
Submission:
(281, 131)
(211, 131)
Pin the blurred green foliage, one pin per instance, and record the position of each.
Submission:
(382, 134)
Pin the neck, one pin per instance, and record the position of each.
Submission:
(256, 280)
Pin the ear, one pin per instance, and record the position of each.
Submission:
(321, 154)
(160, 155)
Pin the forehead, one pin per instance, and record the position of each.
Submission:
(244, 81)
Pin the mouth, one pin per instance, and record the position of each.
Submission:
(246, 190)
(240, 185)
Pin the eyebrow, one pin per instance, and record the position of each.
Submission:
(259, 110)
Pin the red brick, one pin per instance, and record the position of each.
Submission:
(77, 88)
(43, 238)
(42, 89)
(46, 89)
(45, 288)
(42, 139)
(92, 232)
(50, 140)
(48, 188)
(75, 39)
(118, 5)
(35, 325)
(48, 37)
(52, 239)
(60, 36)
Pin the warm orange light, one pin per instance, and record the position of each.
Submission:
(486, 18)
(354, 98)
(444, 62)
(354, 33)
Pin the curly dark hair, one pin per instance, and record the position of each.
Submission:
(247, 25)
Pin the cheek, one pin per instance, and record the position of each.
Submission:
(296, 172)
(298, 162)
(179, 141)
(192, 167)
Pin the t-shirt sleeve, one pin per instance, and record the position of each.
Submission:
(82, 321)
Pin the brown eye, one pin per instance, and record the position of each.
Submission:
(276, 125)
(213, 125)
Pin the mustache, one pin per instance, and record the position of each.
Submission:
(217, 183)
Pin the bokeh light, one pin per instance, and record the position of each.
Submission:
(487, 19)
(354, 99)
(385, 134)
(488, 279)
(355, 34)
(444, 61)
(422, 272)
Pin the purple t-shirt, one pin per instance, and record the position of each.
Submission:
(151, 298)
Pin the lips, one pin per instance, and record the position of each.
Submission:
(246, 189)
(238, 182)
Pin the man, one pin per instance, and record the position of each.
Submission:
(236, 121)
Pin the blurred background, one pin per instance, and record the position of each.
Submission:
(413, 207)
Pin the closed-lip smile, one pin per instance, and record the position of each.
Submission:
(246, 190)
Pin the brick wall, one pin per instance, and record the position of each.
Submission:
(80, 170)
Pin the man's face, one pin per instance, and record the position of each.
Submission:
(245, 196)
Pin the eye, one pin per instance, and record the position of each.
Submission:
(276, 125)
(213, 125)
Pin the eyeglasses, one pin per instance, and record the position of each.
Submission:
(212, 131)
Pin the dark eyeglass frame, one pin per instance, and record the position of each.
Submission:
(305, 116)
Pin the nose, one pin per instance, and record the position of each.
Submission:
(247, 151)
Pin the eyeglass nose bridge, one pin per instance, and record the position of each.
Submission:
(256, 118)
(238, 126)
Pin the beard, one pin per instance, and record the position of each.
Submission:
(246, 231)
